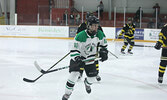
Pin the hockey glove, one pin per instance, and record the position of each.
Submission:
(158, 45)
(103, 54)
(79, 59)
(119, 37)
(76, 64)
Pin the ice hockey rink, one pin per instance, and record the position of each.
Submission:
(130, 77)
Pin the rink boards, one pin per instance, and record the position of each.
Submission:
(66, 32)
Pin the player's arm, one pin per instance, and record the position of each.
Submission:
(76, 62)
(81, 27)
(133, 29)
(100, 28)
(122, 32)
(161, 40)
(75, 51)
(103, 52)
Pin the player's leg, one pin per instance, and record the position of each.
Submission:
(81, 73)
(91, 73)
(162, 66)
(70, 84)
(74, 70)
(124, 46)
(98, 78)
(131, 46)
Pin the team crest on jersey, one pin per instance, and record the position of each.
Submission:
(89, 48)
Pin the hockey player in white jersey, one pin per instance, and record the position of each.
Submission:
(83, 55)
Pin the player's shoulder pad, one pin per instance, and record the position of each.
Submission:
(164, 29)
(100, 34)
(81, 36)
(79, 25)
(165, 25)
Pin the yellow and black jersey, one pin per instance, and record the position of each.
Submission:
(163, 36)
(128, 31)
(83, 26)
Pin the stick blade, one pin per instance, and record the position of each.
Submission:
(37, 66)
(28, 80)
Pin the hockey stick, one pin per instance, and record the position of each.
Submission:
(57, 69)
(143, 46)
(137, 45)
(46, 72)
(29, 80)
(113, 54)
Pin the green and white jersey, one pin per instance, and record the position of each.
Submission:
(86, 46)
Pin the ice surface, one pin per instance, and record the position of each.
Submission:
(130, 77)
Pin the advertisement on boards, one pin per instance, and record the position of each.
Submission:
(139, 33)
(151, 34)
(34, 31)
(72, 31)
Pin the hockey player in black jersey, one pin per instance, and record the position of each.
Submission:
(83, 55)
(128, 32)
(82, 27)
(162, 42)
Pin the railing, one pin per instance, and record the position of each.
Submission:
(57, 16)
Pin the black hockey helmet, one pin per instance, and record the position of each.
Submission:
(92, 20)
(88, 14)
(129, 19)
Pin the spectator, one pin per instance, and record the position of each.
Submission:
(77, 19)
(65, 17)
(160, 23)
(156, 6)
(137, 23)
(137, 15)
(72, 18)
(101, 8)
(151, 24)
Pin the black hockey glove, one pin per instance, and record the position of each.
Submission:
(76, 64)
(78, 59)
(158, 45)
(119, 37)
(103, 54)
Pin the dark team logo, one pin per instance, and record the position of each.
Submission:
(89, 48)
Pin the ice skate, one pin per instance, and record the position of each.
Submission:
(65, 97)
(160, 79)
(130, 52)
(80, 77)
(87, 87)
(98, 78)
(122, 52)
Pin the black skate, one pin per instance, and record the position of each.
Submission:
(65, 97)
(79, 78)
(130, 52)
(87, 87)
(160, 79)
(122, 52)
(98, 78)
